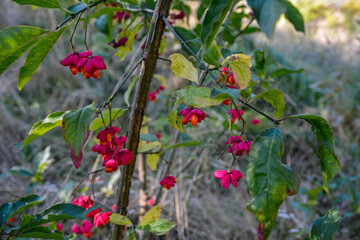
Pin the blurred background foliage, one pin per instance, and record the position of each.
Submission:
(328, 86)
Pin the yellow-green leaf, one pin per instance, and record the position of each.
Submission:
(120, 219)
(152, 161)
(183, 68)
(240, 65)
(276, 98)
(98, 123)
(152, 146)
(198, 97)
(152, 215)
(124, 50)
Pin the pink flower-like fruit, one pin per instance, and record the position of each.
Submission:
(168, 182)
(227, 176)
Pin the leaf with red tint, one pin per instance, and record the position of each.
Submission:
(76, 131)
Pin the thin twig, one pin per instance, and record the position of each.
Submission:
(88, 174)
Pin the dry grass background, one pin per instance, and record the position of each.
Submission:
(198, 204)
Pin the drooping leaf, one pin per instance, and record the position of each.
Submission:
(214, 17)
(284, 71)
(323, 228)
(184, 144)
(175, 120)
(40, 3)
(120, 219)
(269, 180)
(276, 98)
(128, 91)
(42, 232)
(294, 16)
(329, 161)
(104, 25)
(182, 67)
(37, 55)
(160, 226)
(225, 93)
(15, 41)
(198, 97)
(267, 12)
(5, 212)
(213, 55)
(240, 65)
(98, 123)
(41, 127)
(25, 203)
(152, 161)
(76, 131)
(152, 215)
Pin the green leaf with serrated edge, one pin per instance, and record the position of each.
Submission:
(182, 67)
(151, 146)
(240, 65)
(152, 161)
(267, 12)
(294, 16)
(120, 219)
(214, 17)
(152, 215)
(37, 55)
(225, 93)
(25, 203)
(175, 120)
(184, 144)
(159, 227)
(128, 91)
(276, 98)
(122, 51)
(5, 212)
(76, 131)
(323, 228)
(284, 71)
(329, 161)
(269, 180)
(107, 10)
(213, 55)
(41, 127)
(40, 3)
(58, 212)
(198, 97)
(98, 123)
(15, 41)
(42, 232)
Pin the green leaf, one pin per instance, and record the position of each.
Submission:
(15, 41)
(175, 120)
(58, 212)
(294, 16)
(40, 3)
(98, 123)
(214, 17)
(182, 67)
(269, 180)
(240, 65)
(323, 228)
(198, 97)
(152, 215)
(5, 212)
(329, 161)
(42, 232)
(120, 219)
(225, 93)
(159, 227)
(104, 25)
(76, 131)
(184, 144)
(267, 12)
(25, 203)
(128, 91)
(124, 50)
(276, 98)
(284, 71)
(213, 55)
(41, 127)
(37, 55)
(151, 146)
(152, 161)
